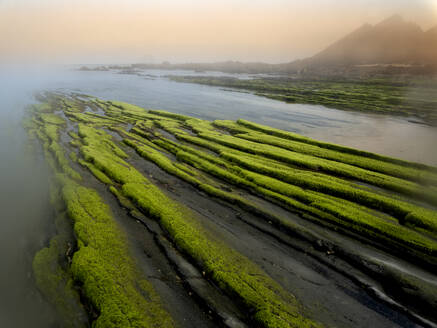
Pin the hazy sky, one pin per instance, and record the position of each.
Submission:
(104, 31)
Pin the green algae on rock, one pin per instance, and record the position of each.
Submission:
(102, 266)
(54, 279)
(233, 162)
(105, 268)
(233, 272)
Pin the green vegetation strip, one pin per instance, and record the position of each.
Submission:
(104, 266)
(295, 172)
(234, 273)
(52, 119)
(189, 175)
(206, 130)
(48, 133)
(54, 279)
(343, 212)
(102, 177)
(406, 213)
(297, 137)
(363, 162)
(314, 163)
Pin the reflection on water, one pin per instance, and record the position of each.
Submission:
(25, 217)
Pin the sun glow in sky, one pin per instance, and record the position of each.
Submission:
(80, 31)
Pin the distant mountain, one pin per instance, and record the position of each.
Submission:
(393, 41)
(393, 46)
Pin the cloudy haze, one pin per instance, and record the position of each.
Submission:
(80, 31)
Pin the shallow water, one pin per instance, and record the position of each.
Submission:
(392, 136)
(25, 217)
(25, 212)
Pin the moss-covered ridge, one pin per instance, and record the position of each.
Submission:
(297, 137)
(371, 164)
(230, 160)
(328, 208)
(102, 267)
(314, 163)
(237, 151)
(105, 268)
(234, 273)
(54, 278)
(271, 305)
(235, 158)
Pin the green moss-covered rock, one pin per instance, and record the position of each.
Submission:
(54, 280)
(96, 172)
(272, 306)
(52, 119)
(105, 268)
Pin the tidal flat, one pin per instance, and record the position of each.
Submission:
(163, 219)
(415, 99)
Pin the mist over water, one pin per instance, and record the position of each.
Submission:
(26, 220)
(25, 217)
